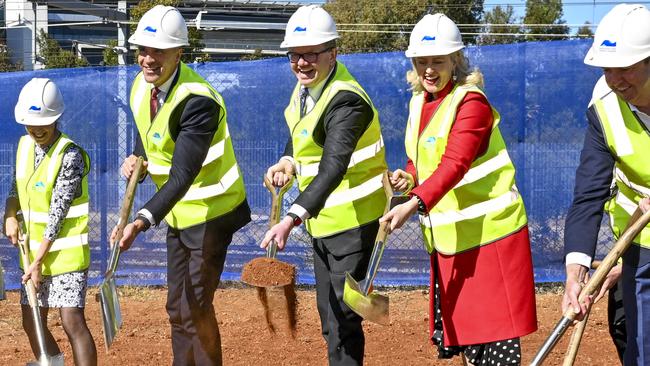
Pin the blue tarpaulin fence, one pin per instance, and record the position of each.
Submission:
(541, 90)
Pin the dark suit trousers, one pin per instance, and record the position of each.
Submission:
(333, 256)
(195, 260)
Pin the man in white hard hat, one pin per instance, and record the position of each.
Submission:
(337, 153)
(616, 149)
(181, 122)
(55, 220)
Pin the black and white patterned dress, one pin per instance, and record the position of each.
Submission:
(67, 289)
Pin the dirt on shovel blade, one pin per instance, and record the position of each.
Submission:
(270, 272)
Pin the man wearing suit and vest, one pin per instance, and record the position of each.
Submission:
(336, 152)
(181, 122)
(616, 149)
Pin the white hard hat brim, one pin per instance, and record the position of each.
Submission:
(37, 121)
(150, 42)
(602, 59)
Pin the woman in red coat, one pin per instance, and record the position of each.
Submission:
(471, 213)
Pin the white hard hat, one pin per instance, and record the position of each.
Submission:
(622, 37)
(434, 35)
(39, 104)
(161, 27)
(310, 25)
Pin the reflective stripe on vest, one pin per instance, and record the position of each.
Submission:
(629, 142)
(70, 251)
(359, 198)
(218, 188)
(485, 204)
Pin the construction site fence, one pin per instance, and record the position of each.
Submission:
(541, 90)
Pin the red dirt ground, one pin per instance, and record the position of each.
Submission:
(145, 336)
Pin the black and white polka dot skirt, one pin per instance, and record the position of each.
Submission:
(505, 352)
(67, 290)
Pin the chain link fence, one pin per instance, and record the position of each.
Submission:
(541, 90)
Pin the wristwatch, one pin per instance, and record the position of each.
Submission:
(295, 218)
(145, 221)
(422, 208)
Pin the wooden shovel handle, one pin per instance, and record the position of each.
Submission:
(276, 198)
(610, 260)
(127, 201)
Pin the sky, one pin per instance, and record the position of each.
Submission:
(575, 11)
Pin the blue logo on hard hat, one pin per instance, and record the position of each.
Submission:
(428, 39)
(300, 29)
(608, 43)
(34, 108)
(39, 186)
(150, 29)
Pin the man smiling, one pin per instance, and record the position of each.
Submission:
(337, 154)
(181, 121)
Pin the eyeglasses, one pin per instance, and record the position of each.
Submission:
(310, 57)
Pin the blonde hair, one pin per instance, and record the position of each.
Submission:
(462, 75)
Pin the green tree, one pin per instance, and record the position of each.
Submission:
(194, 52)
(53, 56)
(109, 56)
(497, 34)
(585, 31)
(548, 14)
(5, 61)
(365, 26)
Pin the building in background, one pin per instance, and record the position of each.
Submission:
(230, 29)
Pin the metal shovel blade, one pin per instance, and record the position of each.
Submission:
(372, 307)
(111, 313)
(2, 283)
(48, 361)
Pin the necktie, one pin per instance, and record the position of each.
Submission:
(153, 103)
(303, 101)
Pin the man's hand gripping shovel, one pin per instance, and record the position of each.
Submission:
(359, 295)
(267, 271)
(43, 359)
(594, 284)
(108, 296)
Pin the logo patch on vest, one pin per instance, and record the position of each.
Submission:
(304, 133)
(156, 137)
(429, 142)
(39, 186)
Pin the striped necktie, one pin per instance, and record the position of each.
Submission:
(303, 101)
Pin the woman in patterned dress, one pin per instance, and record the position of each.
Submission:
(50, 190)
(471, 214)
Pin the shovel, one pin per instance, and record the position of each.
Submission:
(358, 295)
(2, 282)
(43, 359)
(267, 271)
(108, 297)
(594, 283)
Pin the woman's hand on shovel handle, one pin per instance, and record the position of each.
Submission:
(576, 278)
(611, 279)
(279, 232)
(644, 204)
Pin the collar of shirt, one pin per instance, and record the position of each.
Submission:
(164, 89)
(642, 116)
(315, 92)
